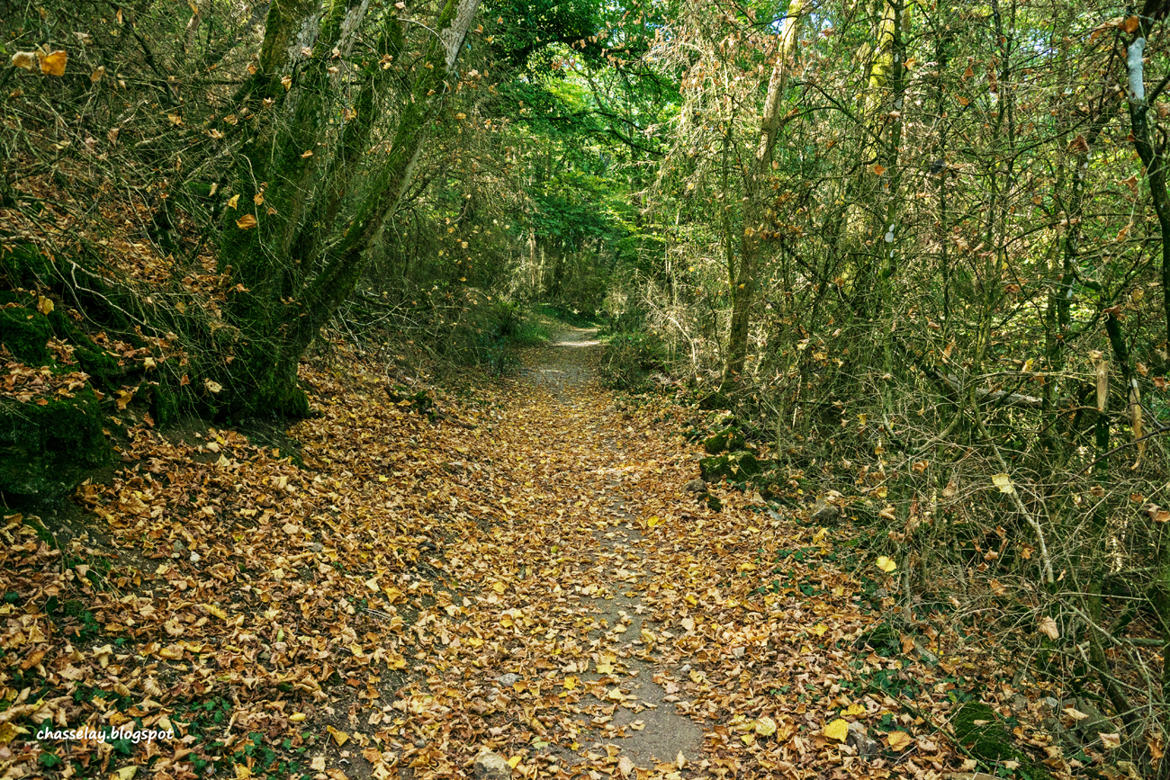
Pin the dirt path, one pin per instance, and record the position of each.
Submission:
(644, 723)
(597, 620)
(520, 572)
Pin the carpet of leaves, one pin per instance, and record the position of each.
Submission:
(404, 591)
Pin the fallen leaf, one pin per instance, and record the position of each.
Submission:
(24, 59)
(53, 63)
(837, 729)
(340, 737)
(764, 726)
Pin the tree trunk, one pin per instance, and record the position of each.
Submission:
(743, 280)
(281, 302)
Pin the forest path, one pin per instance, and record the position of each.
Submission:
(604, 622)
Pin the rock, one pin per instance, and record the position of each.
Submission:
(491, 766)
(823, 512)
(860, 741)
(736, 466)
(1050, 703)
(508, 680)
(47, 450)
(727, 439)
(316, 546)
(696, 486)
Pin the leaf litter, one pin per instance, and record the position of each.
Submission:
(401, 594)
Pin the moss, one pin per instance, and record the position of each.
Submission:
(25, 266)
(165, 405)
(46, 450)
(980, 730)
(26, 333)
(736, 466)
(730, 438)
(883, 638)
(714, 468)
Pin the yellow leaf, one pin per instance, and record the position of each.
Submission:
(856, 708)
(1004, 483)
(242, 772)
(340, 737)
(53, 63)
(571, 683)
(297, 717)
(246, 222)
(44, 305)
(258, 198)
(837, 729)
(498, 586)
(899, 740)
(819, 629)
(653, 522)
(286, 81)
(7, 733)
(125, 773)
(885, 564)
(514, 760)
(233, 201)
(1110, 741)
(764, 726)
(307, 153)
(605, 664)
(212, 386)
(219, 612)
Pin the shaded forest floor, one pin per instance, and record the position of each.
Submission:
(393, 588)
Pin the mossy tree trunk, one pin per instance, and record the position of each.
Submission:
(291, 269)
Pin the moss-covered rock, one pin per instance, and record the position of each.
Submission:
(46, 449)
(735, 466)
(725, 440)
(981, 731)
(25, 332)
